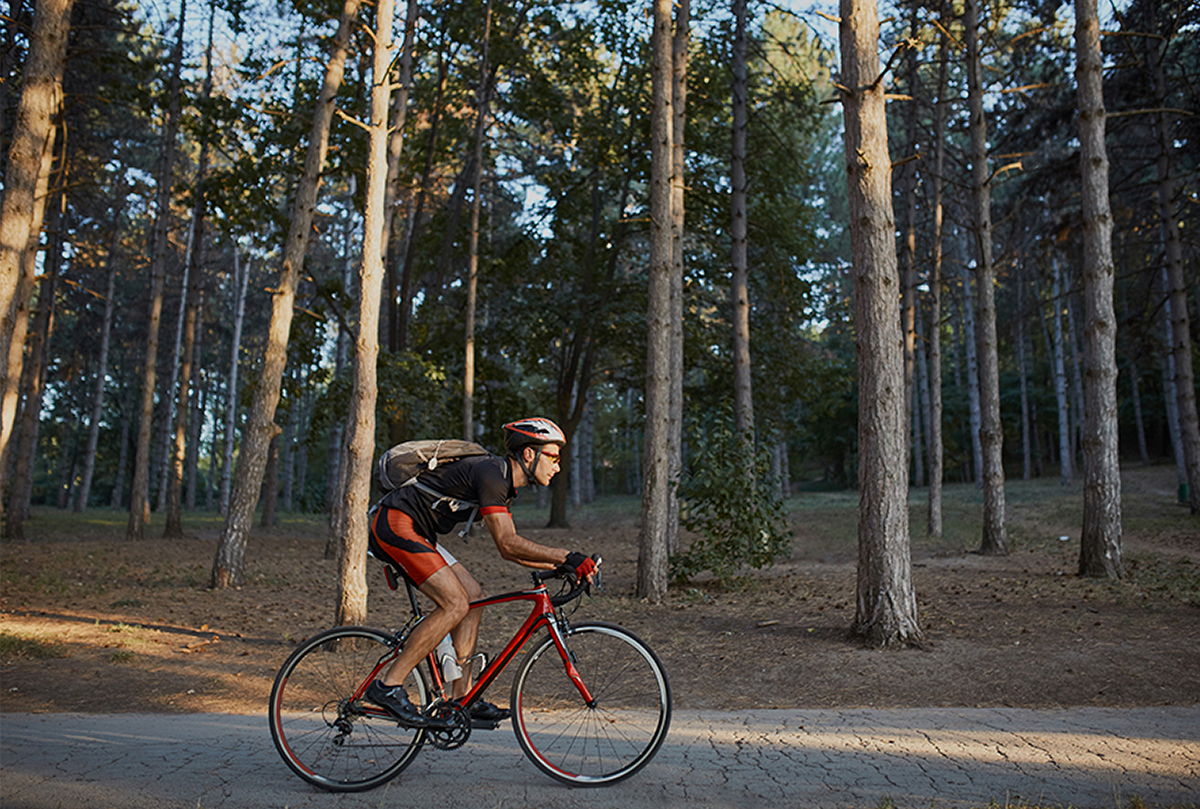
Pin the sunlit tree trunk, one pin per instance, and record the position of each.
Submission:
(229, 563)
(21, 488)
(886, 610)
(139, 491)
(360, 447)
(1100, 547)
(29, 154)
(29, 160)
(991, 431)
(653, 540)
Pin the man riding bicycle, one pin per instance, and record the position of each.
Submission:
(404, 529)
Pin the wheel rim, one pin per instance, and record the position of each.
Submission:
(324, 736)
(578, 744)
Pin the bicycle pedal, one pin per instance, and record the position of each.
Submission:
(485, 724)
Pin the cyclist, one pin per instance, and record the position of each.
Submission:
(404, 529)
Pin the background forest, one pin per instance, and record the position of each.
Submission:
(517, 220)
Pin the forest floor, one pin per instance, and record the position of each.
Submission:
(90, 622)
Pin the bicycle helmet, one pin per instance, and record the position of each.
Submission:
(531, 432)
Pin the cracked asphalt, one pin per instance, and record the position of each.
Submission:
(1088, 758)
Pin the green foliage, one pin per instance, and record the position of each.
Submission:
(725, 498)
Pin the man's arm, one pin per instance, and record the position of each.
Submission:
(515, 548)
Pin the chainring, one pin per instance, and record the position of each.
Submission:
(459, 726)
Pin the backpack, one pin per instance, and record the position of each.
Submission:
(401, 464)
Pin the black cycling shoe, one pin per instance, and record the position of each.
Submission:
(486, 716)
(394, 699)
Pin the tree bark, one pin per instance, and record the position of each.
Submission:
(35, 388)
(360, 448)
(229, 563)
(679, 65)
(886, 611)
(1065, 459)
(991, 431)
(1100, 547)
(936, 449)
(28, 158)
(743, 402)
(653, 539)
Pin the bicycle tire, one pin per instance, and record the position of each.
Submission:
(325, 737)
(583, 745)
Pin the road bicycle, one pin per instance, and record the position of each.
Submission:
(590, 702)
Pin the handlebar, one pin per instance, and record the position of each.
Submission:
(578, 587)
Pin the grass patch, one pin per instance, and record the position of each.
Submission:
(13, 645)
(121, 656)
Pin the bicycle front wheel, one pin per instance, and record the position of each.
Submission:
(602, 743)
(328, 738)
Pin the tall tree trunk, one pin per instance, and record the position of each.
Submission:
(653, 540)
(991, 431)
(886, 611)
(390, 311)
(1139, 421)
(28, 157)
(936, 450)
(476, 206)
(241, 279)
(679, 64)
(229, 563)
(743, 402)
(1076, 354)
(1066, 461)
(1023, 372)
(17, 377)
(971, 349)
(139, 492)
(167, 402)
(269, 495)
(1100, 547)
(1181, 335)
(360, 448)
(93, 441)
(118, 492)
(22, 480)
(908, 291)
(174, 502)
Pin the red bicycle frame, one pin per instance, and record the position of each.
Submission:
(541, 614)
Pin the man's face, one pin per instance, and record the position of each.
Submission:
(547, 464)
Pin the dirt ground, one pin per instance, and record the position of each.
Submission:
(92, 623)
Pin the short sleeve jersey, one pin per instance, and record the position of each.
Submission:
(485, 480)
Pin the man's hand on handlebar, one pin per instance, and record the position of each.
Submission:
(583, 568)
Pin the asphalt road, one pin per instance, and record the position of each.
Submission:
(1087, 758)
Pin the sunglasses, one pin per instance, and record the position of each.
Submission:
(553, 456)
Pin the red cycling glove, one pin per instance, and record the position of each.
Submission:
(582, 566)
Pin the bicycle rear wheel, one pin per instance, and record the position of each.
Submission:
(608, 741)
(326, 737)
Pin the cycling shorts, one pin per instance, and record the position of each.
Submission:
(394, 538)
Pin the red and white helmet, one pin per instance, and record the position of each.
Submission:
(531, 432)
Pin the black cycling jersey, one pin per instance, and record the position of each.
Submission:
(483, 481)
